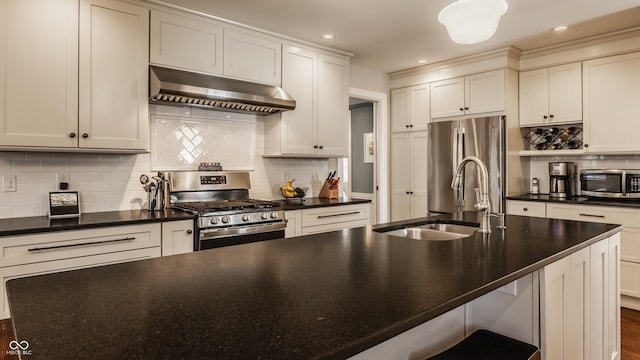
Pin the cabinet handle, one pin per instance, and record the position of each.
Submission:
(72, 135)
(320, 147)
(551, 116)
(411, 125)
(315, 146)
(461, 109)
(525, 209)
(586, 145)
(545, 117)
(466, 108)
(406, 126)
(81, 244)
(85, 135)
(591, 215)
(334, 215)
(189, 232)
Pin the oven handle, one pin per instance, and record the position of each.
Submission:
(242, 230)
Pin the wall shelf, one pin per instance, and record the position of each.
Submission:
(552, 152)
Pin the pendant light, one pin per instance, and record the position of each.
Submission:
(472, 21)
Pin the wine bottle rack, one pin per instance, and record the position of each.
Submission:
(554, 138)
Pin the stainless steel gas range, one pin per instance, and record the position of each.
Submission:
(225, 213)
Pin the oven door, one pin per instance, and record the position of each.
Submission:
(235, 235)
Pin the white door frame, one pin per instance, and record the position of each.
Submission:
(381, 126)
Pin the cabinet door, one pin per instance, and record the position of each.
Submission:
(418, 156)
(611, 106)
(484, 92)
(565, 307)
(39, 73)
(252, 57)
(114, 61)
(565, 93)
(294, 223)
(447, 98)
(630, 244)
(420, 107)
(534, 97)
(299, 79)
(400, 176)
(333, 106)
(630, 278)
(185, 42)
(177, 237)
(400, 109)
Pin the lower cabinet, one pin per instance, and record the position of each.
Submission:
(325, 219)
(580, 304)
(177, 237)
(28, 255)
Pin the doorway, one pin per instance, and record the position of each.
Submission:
(373, 183)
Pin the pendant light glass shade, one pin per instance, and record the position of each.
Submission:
(472, 21)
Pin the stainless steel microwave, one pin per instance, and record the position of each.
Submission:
(610, 183)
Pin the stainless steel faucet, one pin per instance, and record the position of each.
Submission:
(483, 204)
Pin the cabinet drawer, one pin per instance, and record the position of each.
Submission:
(333, 227)
(334, 214)
(27, 249)
(526, 208)
(602, 214)
(629, 278)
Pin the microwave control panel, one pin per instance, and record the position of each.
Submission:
(633, 183)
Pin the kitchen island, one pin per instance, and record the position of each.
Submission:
(328, 296)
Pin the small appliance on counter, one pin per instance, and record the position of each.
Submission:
(610, 183)
(561, 179)
(535, 189)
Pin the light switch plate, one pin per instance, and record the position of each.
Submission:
(9, 183)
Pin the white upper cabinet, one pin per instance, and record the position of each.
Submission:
(410, 108)
(318, 127)
(612, 104)
(551, 95)
(252, 57)
(74, 75)
(113, 77)
(186, 42)
(38, 73)
(469, 95)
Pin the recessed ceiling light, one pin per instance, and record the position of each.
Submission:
(560, 28)
(422, 61)
(327, 36)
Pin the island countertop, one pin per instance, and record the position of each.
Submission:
(322, 296)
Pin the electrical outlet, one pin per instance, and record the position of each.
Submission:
(62, 177)
(9, 183)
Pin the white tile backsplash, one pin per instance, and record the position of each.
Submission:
(109, 182)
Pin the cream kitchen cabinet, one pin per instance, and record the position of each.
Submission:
(629, 243)
(319, 126)
(177, 237)
(580, 313)
(294, 223)
(551, 95)
(331, 218)
(408, 175)
(526, 208)
(89, 60)
(28, 255)
(184, 42)
(611, 90)
(410, 108)
(252, 57)
(469, 95)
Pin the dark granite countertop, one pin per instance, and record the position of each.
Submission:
(322, 296)
(578, 200)
(315, 202)
(40, 224)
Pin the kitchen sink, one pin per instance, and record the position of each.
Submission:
(434, 232)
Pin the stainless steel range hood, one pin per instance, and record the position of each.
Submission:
(183, 88)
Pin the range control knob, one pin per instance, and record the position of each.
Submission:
(225, 219)
(274, 215)
(246, 217)
(214, 221)
(264, 216)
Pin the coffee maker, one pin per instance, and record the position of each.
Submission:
(560, 179)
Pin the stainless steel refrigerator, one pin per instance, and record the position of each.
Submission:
(449, 143)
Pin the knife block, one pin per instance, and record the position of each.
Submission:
(328, 192)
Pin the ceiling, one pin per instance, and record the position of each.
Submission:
(393, 35)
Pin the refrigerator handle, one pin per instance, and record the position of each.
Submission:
(455, 159)
(460, 153)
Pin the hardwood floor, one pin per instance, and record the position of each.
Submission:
(630, 339)
(630, 334)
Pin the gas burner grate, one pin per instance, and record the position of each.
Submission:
(228, 205)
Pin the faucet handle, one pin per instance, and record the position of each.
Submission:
(501, 220)
(480, 205)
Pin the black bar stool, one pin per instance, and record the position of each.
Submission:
(487, 345)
